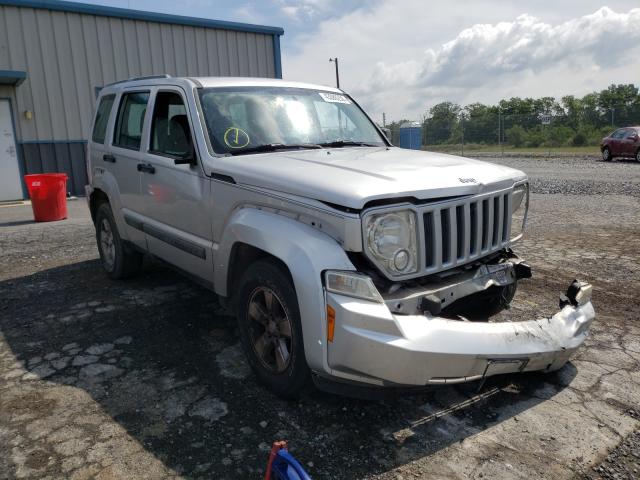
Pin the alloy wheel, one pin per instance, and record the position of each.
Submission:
(269, 329)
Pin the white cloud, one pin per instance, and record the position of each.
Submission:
(485, 51)
(403, 58)
(299, 9)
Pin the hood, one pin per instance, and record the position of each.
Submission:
(353, 176)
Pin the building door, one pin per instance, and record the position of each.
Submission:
(10, 182)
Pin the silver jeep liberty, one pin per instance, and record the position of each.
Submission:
(346, 259)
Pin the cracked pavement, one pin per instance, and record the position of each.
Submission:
(144, 378)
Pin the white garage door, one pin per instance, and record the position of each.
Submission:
(10, 186)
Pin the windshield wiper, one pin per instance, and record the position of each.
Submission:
(271, 147)
(347, 143)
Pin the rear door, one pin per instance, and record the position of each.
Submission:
(125, 157)
(176, 193)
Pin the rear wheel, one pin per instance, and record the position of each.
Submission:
(606, 154)
(270, 328)
(118, 259)
(638, 155)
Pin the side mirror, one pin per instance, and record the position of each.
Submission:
(187, 159)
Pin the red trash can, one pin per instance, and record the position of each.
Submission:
(48, 193)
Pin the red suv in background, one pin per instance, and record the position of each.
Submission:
(624, 142)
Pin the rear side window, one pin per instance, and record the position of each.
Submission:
(133, 107)
(102, 118)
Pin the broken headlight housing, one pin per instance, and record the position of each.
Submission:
(519, 209)
(391, 240)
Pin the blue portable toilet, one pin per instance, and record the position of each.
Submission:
(411, 135)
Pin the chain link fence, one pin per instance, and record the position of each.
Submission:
(543, 133)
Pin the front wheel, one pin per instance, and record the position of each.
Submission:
(270, 328)
(606, 154)
(118, 259)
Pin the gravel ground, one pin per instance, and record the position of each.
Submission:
(145, 378)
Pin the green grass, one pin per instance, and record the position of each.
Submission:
(469, 149)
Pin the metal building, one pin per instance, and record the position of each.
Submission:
(55, 55)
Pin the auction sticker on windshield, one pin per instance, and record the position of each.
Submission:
(235, 137)
(334, 98)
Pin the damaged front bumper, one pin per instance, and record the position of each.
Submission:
(373, 345)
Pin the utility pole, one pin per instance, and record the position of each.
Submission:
(384, 119)
(462, 125)
(613, 111)
(335, 60)
(500, 132)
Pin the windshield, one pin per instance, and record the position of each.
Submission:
(254, 119)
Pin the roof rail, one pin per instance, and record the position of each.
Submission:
(133, 79)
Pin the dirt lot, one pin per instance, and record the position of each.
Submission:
(145, 379)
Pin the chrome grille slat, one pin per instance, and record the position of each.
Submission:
(437, 244)
(461, 231)
(453, 235)
(466, 249)
(497, 215)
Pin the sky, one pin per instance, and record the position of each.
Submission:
(403, 57)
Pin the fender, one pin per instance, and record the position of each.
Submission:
(306, 252)
(106, 182)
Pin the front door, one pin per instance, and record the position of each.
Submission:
(175, 192)
(10, 183)
(616, 142)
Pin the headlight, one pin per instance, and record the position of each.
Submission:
(391, 241)
(351, 284)
(519, 208)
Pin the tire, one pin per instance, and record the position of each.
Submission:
(606, 154)
(119, 260)
(270, 328)
(638, 155)
(481, 306)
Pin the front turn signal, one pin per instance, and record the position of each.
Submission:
(331, 322)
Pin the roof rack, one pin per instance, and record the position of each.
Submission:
(133, 79)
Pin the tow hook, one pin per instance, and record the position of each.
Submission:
(522, 270)
(577, 294)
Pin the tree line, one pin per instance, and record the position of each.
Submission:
(531, 122)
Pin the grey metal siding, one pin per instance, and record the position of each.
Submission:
(57, 157)
(67, 54)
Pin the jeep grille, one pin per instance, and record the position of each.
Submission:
(460, 231)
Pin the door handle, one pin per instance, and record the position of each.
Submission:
(146, 167)
(109, 158)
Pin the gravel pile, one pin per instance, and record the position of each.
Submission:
(576, 175)
(584, 187)
(623, 463)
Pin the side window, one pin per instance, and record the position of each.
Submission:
(102, 118)
(128, 131)
(630, 133)
(618, 133)
(170, 132)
